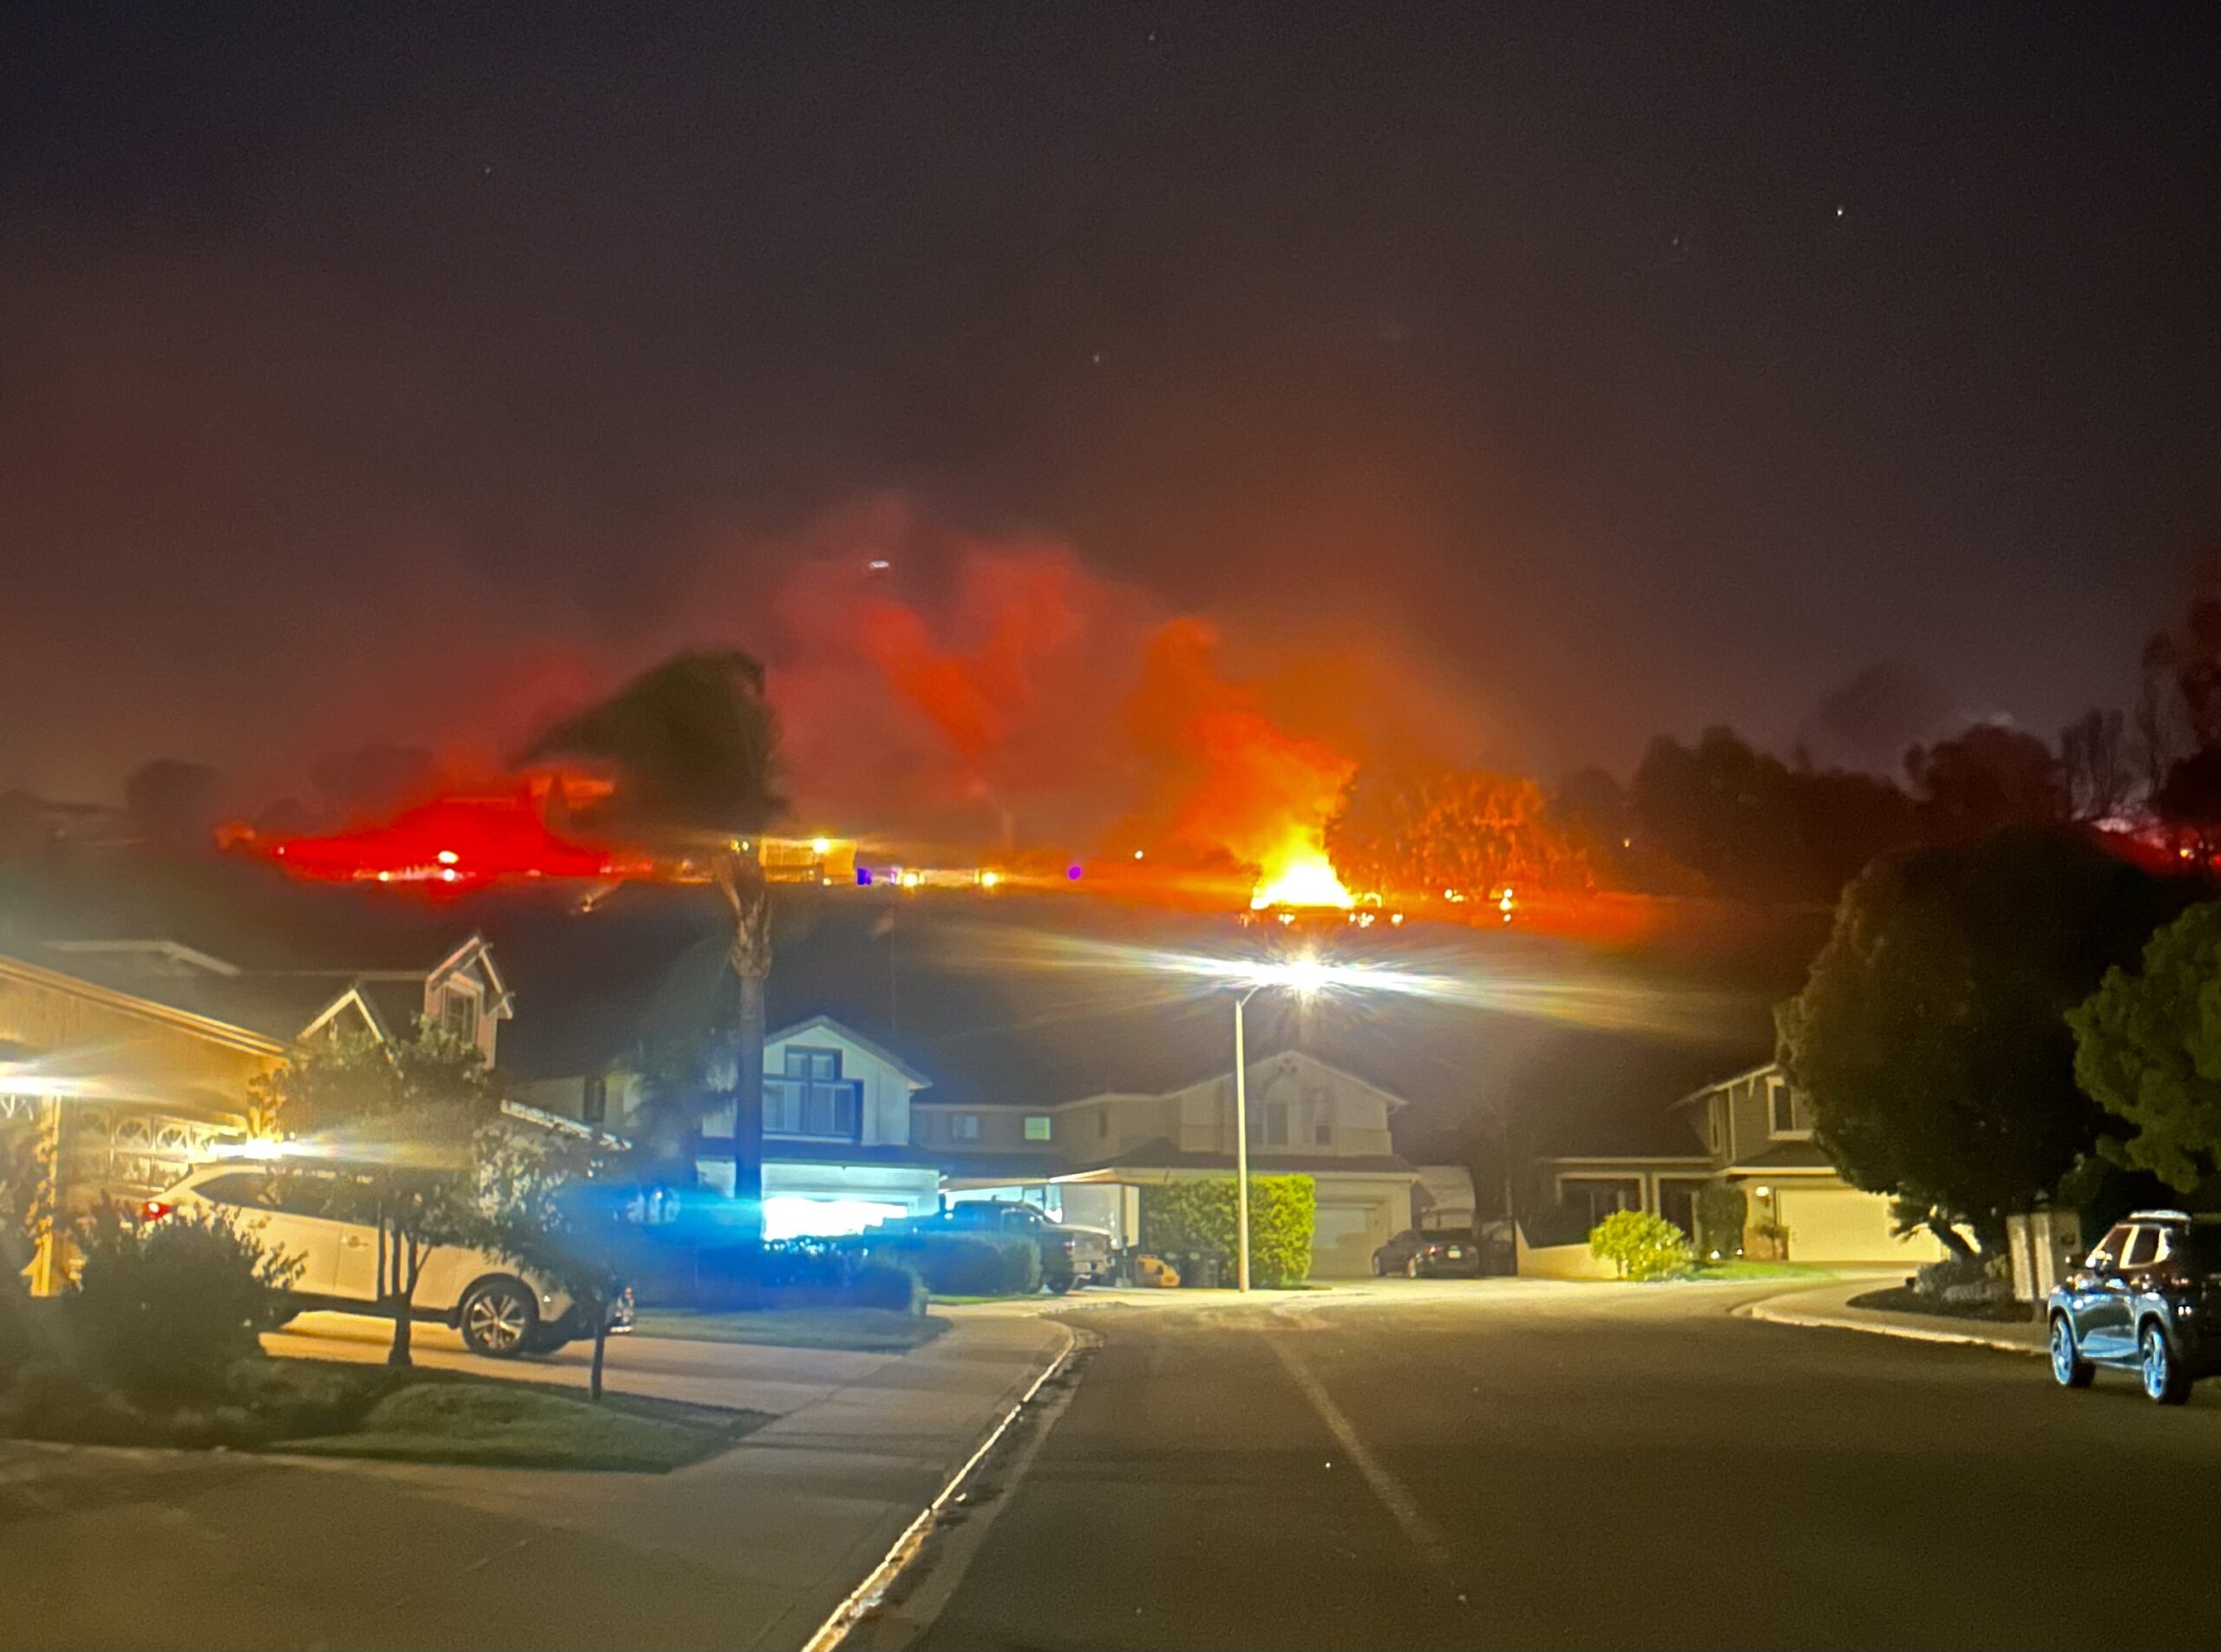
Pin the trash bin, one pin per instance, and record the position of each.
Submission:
(1206, 1274)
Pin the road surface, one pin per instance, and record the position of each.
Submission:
(1490, 1466)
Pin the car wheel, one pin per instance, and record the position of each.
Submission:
(2166, 1377)
(1062, 1284)
(1380, 1267)
(2067, 1365)
(497, 1318)
(1412, 1268)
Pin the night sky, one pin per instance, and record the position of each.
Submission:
(372, 372)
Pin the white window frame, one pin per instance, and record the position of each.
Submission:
(963, 1127)
(462, 986)
(1776, 1087)
(1048, 1124)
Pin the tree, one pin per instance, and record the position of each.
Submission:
(556, 1205)
(1931, 1036)
(693, 747)
(2190, 800)
(172, 804)
(397, 1135)
(1755, 828)
(2096, 765)
(1990, 777)
(1644, 1246)
(2147, 1046)
(1425, 830)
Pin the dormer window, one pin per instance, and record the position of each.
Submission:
(459, 1014)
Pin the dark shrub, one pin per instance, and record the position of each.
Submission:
(877, 1284)
(163, 1311)
(964, 1264)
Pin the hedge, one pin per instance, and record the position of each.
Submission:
(1181, 1218)
(964, 1264)
(1646, 1247)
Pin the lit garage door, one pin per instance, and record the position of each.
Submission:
(1844, 1224)
(1344, 1237)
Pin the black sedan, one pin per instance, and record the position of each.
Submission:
(2141, 1302)
(1429, 1253)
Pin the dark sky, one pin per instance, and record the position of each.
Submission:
(1640, 367)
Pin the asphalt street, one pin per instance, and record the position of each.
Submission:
(1612, 1465)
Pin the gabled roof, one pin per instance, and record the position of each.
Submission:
(816, 1022)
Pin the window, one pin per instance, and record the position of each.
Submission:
(1273, 1123)
(1786, 1112)
(2143, 1250)
(812, 1064)
(1037, 1127)
(243, 1188)
(594, 1106)
(810, 1098)
(459, 1013)
(1322, 1127)
(2109, 1249)
(963, 1127)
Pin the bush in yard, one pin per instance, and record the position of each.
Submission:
(964, 1264)
(1722, 1213)
(1644, 1246)
(875, 1283)
(1181, 1218)
(163, 1310)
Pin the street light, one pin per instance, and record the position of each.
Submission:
(1304, 976)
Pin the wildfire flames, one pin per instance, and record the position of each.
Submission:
(1300, 876)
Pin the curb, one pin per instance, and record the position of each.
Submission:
(1772, 1316)
(868, 1595)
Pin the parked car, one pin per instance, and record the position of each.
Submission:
(2141, 1302)
(1071, 1255)
(1431, 1253)
(502, 1310)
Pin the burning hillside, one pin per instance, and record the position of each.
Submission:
(955, 701)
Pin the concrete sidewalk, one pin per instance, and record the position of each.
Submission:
(1828, 1307)
(755, 1547)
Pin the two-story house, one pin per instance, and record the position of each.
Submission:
(1752, 1131)
(855, 1134)
(136, 1058)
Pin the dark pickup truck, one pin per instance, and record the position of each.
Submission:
(1071, 1255)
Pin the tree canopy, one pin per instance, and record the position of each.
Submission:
(1424, 831)
(693, 744)
(2147, 1046)
(1931, 1035)
(1981, 780)
(391, 1134)
(1756, 829)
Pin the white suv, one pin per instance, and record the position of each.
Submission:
(502, 1309)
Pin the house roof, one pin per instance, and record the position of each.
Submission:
(1163, 1154)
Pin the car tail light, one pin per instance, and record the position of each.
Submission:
(154, 1209)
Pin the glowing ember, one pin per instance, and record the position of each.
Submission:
(1300, 876)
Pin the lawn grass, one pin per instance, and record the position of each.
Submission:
(852, 1330)
(455, 1418)
(1746, 1267)
(337, 1408)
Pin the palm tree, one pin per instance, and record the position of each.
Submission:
(693, 747)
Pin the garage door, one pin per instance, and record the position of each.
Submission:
(1844, 1224)
(1344, 1237)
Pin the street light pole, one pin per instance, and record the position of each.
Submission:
(1242, 1147)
